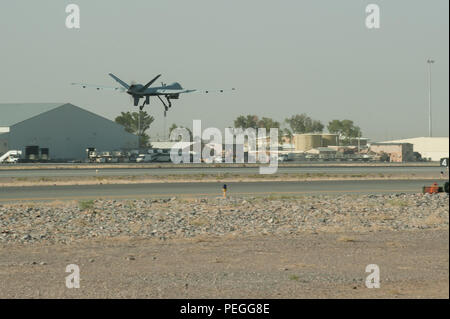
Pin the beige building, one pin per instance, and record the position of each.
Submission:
(398, 152)
(355, 141)
(434, 148)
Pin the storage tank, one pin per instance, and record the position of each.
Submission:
(306, 142)
(329, 140)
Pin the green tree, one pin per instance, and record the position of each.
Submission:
(301, 123)
(136, 123)
(268, 123)
(287, 132)
(346, 130)
(253, 121)
(244, 122)
(174, 126)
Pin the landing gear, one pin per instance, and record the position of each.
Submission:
(146, 101)
(166, 106)
(136, 100)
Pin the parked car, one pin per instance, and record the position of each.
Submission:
(283, 158)
(144, 158)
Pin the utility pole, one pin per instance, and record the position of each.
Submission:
(430, 127)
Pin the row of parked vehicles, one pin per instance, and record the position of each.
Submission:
(128, 157)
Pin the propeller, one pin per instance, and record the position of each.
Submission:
(132, 84)
(140, 89)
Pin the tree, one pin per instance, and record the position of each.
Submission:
(136, 123)
(287, 132)
(301, 123)
(253, 121)
(268, 123)
(244, 122)
(346, 130)
(172, 127)
(175, 126)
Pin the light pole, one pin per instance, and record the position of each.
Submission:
(139, 130)
(430, 128)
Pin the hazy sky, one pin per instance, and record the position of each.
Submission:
(284, 57)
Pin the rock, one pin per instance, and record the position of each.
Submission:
(167, 219)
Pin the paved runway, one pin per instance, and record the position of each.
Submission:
(418, 170)
(134, 191)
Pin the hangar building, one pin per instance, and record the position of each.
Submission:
(65, 130)
(433, 148)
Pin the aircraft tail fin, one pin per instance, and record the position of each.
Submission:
(124, 84)
(150, 83)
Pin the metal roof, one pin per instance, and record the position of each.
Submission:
(14, 113)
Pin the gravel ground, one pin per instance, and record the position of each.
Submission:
(246, 247)
(64, 222)
(413, 264)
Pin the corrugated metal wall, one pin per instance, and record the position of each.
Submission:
(67, 131)
(3, 143)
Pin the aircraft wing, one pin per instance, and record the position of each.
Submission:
(99, 87)
(169, 91)
(214, 91)
(172, 91)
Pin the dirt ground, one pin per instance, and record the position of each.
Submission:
(413, 264)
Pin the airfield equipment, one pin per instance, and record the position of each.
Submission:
(11, 157)
(435, 188)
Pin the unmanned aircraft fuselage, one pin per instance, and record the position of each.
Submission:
(139, 91)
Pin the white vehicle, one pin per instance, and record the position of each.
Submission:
(283, 158)
(11, 157)
(161, 158)
(218, 159)
(144, 158)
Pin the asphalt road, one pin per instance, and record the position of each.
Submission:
(87, 172)
(134, 191)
